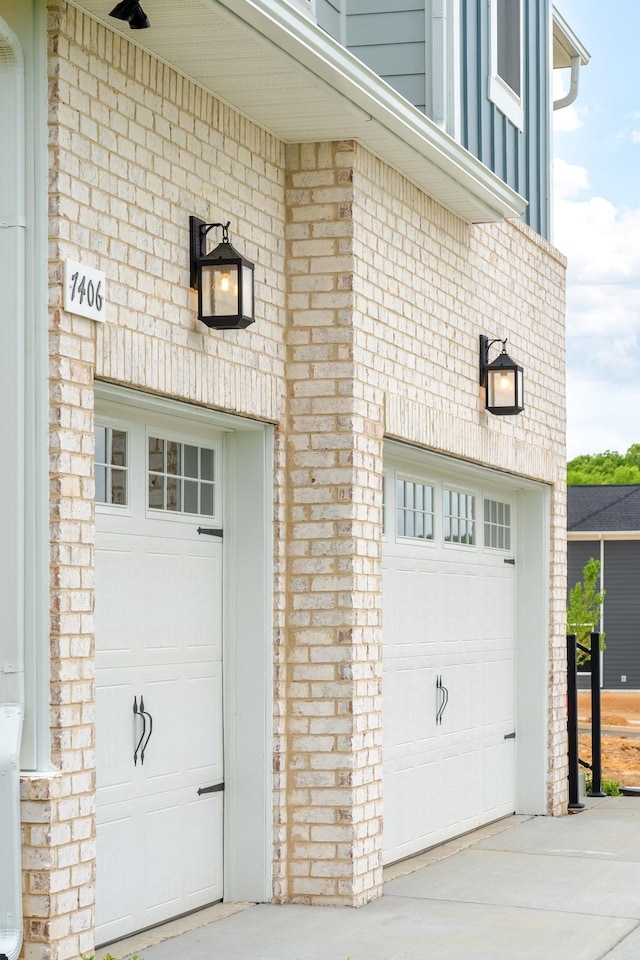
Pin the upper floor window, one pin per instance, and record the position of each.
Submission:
(505, 82)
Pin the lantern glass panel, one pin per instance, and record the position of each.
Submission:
(219, 290)
(501, 387)
(247, 291)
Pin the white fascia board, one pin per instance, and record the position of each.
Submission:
(332, 63)
(566, 44)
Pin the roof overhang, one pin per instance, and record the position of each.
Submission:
(566, 46)
(275, 66)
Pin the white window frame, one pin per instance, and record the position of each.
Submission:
(117, 509)
(505, 98)
(488, 497)
(449, 486)
(422, 482)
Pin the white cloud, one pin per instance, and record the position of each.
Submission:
(602, 244)
(600, 418)
(567, 119)
(568, 179)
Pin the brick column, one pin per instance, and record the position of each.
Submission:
(58, 809)
(333, 575)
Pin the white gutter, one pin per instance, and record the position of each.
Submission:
(568, 51)
(332, 63)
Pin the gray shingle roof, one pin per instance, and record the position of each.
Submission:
(604, 508)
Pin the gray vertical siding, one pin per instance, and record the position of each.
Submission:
(393, 37)
(622, 614)
(578, 553)
(520, 157)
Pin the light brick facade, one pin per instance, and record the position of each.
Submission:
(370, 299)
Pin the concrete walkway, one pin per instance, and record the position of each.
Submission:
(524, 889)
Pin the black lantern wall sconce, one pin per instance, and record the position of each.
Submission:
(223, 279)
(132, 12)
(502, 380)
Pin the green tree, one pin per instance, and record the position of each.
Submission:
(584, 606)
(609, 467)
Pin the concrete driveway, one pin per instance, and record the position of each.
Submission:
(523, 889)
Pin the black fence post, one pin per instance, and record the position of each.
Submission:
(596, 722)
(572, 723)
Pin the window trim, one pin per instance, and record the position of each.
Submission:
(500, 93)
(416, 481)
(450, 486)
(490, 497)
(117, 509)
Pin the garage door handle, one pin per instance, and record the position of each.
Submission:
(139, 713)
(214, 788)
(445, 699)
(510, 736)
(145, 713)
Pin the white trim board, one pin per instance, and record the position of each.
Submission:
(247, 627)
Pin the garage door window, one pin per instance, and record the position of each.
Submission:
(497, 525)
(459, 521)
(414, 510)
(181, 478)
(111, 466)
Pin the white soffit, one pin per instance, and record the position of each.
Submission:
(274, 65)
(566, 44)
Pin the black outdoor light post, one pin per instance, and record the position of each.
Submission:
(223, 279)
(502, 380)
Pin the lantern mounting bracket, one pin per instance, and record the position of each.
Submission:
(485, 346)
(198, 232)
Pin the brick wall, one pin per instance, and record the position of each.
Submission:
(370, 299)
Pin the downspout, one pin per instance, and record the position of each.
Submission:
(12, 394)
(439, 49)
(567, 100)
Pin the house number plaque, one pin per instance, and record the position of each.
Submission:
(84, 290)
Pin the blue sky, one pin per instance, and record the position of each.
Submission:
(597, 225)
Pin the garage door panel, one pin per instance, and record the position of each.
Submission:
(408, 824)
(413, 601)
(448, 613)
(415, 688)
(158, 640)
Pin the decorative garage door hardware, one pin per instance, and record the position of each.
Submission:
(445, 699)
(214, 788)
(210, 531)
(510, 736)
(510, 560)
(139, 711)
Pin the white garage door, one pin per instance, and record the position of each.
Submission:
(159, 674)
(448, 657)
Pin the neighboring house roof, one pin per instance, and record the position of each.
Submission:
(602, 509)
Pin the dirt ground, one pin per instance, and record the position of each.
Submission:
(620, 710)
